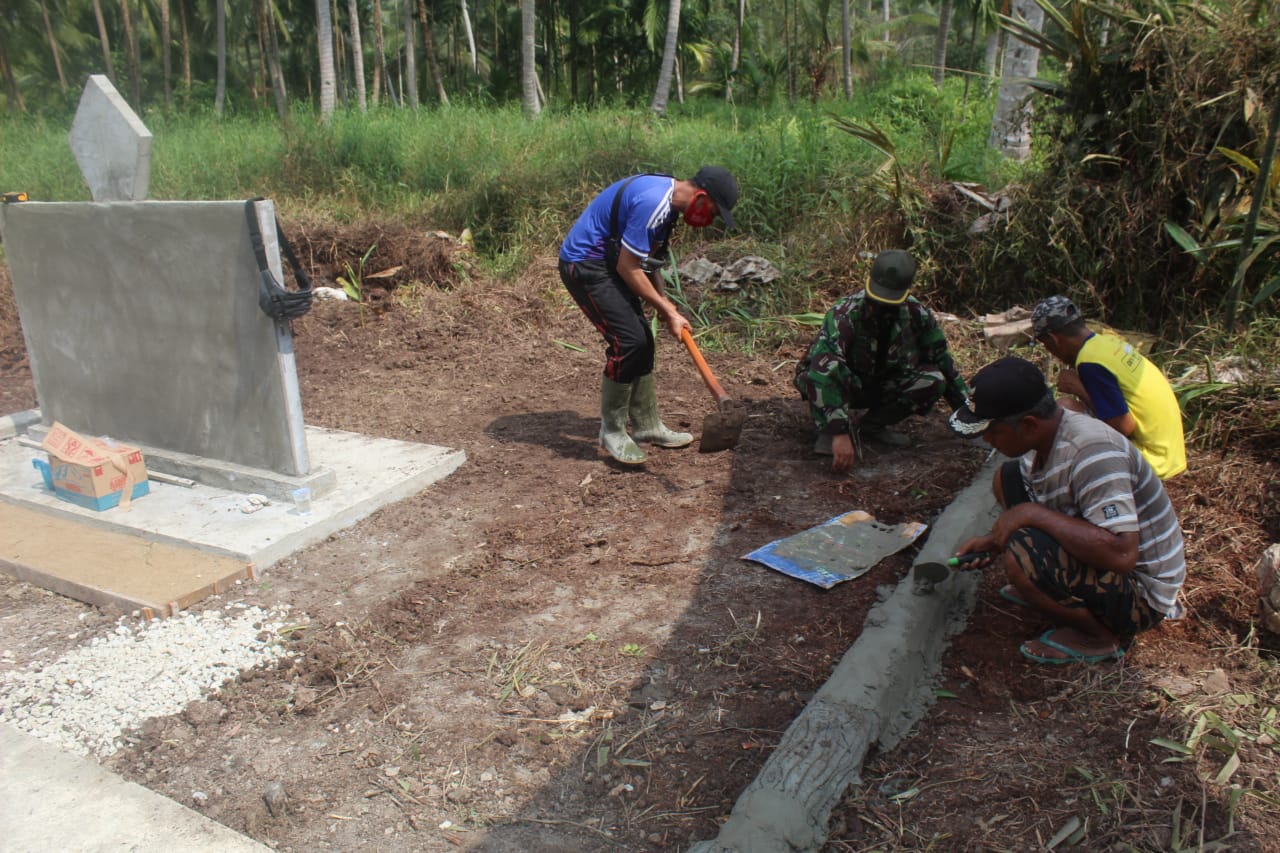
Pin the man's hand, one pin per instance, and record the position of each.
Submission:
(676, 322)
(1069, 383)
(1087, 542)
(843, 453)
(979, 545)
(647, 287)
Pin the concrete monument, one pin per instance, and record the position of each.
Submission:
(111, 144)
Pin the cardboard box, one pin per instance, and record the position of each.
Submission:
(95, 473)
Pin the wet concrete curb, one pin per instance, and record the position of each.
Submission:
(880, 688)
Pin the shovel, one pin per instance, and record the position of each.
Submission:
(722, 428)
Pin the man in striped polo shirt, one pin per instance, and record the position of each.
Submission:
(1088, 535)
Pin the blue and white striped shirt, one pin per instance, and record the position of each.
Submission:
(1094, 473)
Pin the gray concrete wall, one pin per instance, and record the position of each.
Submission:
(142, 323)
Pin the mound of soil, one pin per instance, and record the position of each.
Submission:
(548, 652)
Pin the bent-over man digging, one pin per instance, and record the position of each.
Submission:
(1087, 535)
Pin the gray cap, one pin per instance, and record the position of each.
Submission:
(1052, 315)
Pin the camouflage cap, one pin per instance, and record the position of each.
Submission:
(1053, 314)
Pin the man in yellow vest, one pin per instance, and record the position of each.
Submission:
(1113, 382)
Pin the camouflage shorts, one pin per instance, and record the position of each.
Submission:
(1114, 599)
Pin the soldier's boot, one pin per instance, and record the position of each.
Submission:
(615, 398)
(875, 424)
(645, 419)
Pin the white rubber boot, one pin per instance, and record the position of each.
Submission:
(645, 419)
(615, 398)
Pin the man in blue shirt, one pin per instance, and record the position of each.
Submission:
(610, 262)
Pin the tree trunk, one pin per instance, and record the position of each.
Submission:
(1011, 124)
(990, 59)
(471, 38)
(528, 61)
(324, 42)
(220, 28)
(273, 62)
(15, 102)
(166, 59)
(135, 61)
(186, 48)
(663, 91)
(786, 50)
(940, 45)
(260, 74)
(53, 46)
(106, 43)
(994, 46)
(339, 55)
(380, 48)
(846, 50)
(737, 51)
(357, 53)
(429, 45)
(574, 58)
(410, 76)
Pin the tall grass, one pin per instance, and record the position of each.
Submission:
(515, 184)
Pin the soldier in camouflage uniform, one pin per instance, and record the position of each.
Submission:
(879, 351)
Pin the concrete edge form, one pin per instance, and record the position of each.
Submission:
(53, 800)
(881, 687)
(18, 423)
(224, 475)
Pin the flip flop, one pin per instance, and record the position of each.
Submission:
(1010, 593)
(1072, 655)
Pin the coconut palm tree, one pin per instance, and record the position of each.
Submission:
(104, 41)
(357, 52)
(133, 53)
(410, 61)
(380, 76)
(1011, 123)
(528, 61)
(324, 41)
(663, 92)
(220, 41)
(940, 45)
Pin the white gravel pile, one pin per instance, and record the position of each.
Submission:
(85, 700)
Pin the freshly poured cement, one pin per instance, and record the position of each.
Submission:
(142, 323)
(879, 690)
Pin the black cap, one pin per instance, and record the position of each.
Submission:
(1003, 389)
(722, 187)
(891, 276)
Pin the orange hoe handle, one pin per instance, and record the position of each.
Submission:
(703, 369)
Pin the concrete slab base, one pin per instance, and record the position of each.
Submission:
(52, 800)
(370, 473)
(221, 474)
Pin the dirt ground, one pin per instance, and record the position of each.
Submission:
(547, 652)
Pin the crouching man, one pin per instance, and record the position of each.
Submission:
(1087, 535)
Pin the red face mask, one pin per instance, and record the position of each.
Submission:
(701, 211)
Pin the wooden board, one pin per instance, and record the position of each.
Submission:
(106, 568)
